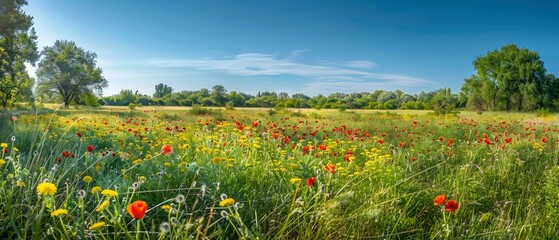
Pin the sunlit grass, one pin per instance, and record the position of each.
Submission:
(246, 173)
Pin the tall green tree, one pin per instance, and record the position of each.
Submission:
(18, 45)
(512, 77)
(218, 95)
(161, 90)
(69, 71)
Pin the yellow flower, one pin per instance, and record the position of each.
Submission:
(167, 164)
(103, 205)
(95, 189)
(2, 162)
(96, 225)
(58, 212)
(87, 179)
(166, 207)
(109, 193)
(226, 202)
(46, 188)
(4, 145)
(295, 180)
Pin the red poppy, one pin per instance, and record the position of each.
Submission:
(137, 209)
(544, 140)
(322, 147)
(486, 140)
(90, 148)
(330, 168)
(507, 140)
(441, 139)
(439, 200)
(166, 149)
(381, 141)
(451, 206)
(79, 134)
(310, 181)
(255, 123)
(275, 135)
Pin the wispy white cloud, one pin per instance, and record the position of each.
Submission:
(360, 64)
(335, 75)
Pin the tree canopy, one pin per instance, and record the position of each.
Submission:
(69, 71)
(18, 45)
(509, 78)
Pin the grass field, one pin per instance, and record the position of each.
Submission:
(167, 173)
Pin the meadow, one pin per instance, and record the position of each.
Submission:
(178, 173)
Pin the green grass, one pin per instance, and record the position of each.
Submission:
(262, 161)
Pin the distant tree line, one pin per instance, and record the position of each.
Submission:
(219, 97)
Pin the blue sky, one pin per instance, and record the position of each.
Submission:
(310, 47)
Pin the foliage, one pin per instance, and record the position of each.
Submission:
(69, 71)
(18, 45)
(161, 90)
(507, 79)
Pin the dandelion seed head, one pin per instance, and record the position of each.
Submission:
(165, 227)
(180, 198)
(223, 196)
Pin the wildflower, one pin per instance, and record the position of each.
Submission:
(14, 118)
(58, 212)
(167, 164)
(97, 225)
(80, 194)
(109, 193)
(166, 207)
(87, 179)
(95, 189)
(103, 205)
(544, 140)
(79, 134)
(165, 227)
(226, 202)
(166, 149)
(381, 141)
(46, 188)
(507, 140)
(180, 198)
(451, 206)
(439, 200)
(330, 168)
(3, 145)
(90, 148)
(295, 180)
(2, 162)
(310, 181)
(137, 209)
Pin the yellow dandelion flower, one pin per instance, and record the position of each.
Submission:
(4, 145)
(46, 188)
(97, 225)
(2, 162)
(295, 180)
(96, 189)
(109, 193)
(103, 205)
(166, 207)
(58, 212)
(87, 179)
(226, 202)
(167, 164)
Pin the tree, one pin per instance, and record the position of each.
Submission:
(218, 95)
(18, 45)
(69, 71)
(161, 90)
(511, 77)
